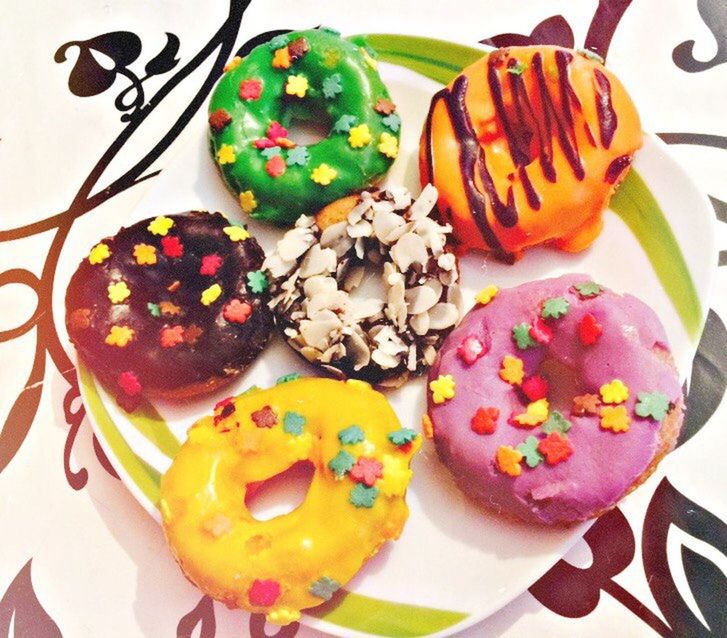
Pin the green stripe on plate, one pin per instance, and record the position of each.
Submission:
(384, 618)
(145, 477)
(151, 424)
(633, 202)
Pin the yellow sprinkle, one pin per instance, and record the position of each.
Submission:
(248, 201)
(615, 418)
(282, 616)
(236, 233)
(359, 136)
(388, 145)
(210, 295)
(535, 414)
(614, 392)
(368, 59)
(281, 58)
(119, 336)
(323, 174)
(118, 291)
(486, 295)
(145, 254)
(427, 427)
(232, 64)
(226, 154)
(297, 85)
(443, 388)
(508, 460)
(160, 225)
(99, 253)
(395, 476)
(512, 370)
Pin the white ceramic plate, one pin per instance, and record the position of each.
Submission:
(455, 564)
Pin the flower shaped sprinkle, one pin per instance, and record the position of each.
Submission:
(555, 448)
(226, 154)
(210, 295)
(297, 85)
(395, 476)
(324, 588)
(172, 246)
(508, 460)
(118, 291)
(257, 281)
(359, 136)
(119, 336)
(248, 203)
(281, 58)
(388, 145)
(535, 414)
(486, 295)
(652, 404)
(323, 174)
(614, 392)
(512, 370)
(236, 233)
(171, 336)
(145, 254)
(251, 89)
(366, 470)
(264, 593)
(160, 225)
(443, 388)
(615, 418)
(99, 253)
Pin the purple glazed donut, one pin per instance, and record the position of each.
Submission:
(552, 400)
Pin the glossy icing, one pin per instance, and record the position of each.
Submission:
(355, 502)
(303, 75)
(526, 146)
(603, 454)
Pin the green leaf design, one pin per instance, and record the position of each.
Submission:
(556, 422)
(555, 308)
(521, 335)
(529, 449)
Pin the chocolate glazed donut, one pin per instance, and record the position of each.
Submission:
(170, 307)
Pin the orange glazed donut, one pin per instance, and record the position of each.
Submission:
(526, 146)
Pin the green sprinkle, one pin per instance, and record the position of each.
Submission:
(344, 123)
(278, 42)
(392, 121)
(517, 69)
(652, 404)
(332, 86)
(271, 151)
(291, 376)
(521, 335)
(153, 309)
(402, 436)
(324, 588)
(529, 449)
(351, 435)
(341, 463)
(555, 308)
(298, 156)
(257, 281)
(588, 289)
(293, 423)
(591, 55)
(363, 496)
(556, 422)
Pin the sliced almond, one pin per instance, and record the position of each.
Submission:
(409, 249)
(442, 316)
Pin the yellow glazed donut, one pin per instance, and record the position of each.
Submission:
(355, 503)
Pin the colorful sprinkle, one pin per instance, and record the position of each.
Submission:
(344, 123)
(275, 166)
(98, 254)
(236, 311)
(119, 336)
(269, 153)
(171, 336)
(265, 142)
(535, 413)
(585, 404)
(257, 281)
(324, 588)
(652, 404)
(512, 370)
(248, 203)
(486, 295)
(508, 460)
(323, 174)
(160, 225)
(516, 69)
(384, 106)
(298, 48)
(236, 233)
(281, 58)
(555, 448)
(485, 420)
(232, 64)
(192, 333)
(521, 336)
(351, 435)
(396, 476)
(293, 423)
(297, 85)
(615, 418)
(589, 330)
(118, 292)
(359, 136)
(341, 463)
(219, 119)
(153, 309)
(588, 289)
(129, 383)
(298, 156)
(368, 59)
(211, 294)
(174, 286)
(402, 436)
(556, 422)
(427, 427)
(535, 387)
(210, 264)
(226, 154)
(392, 122)
(264, 593)
(278, 41)
(540, 331)
(363, 496)
(529, 449)
(169, 308)
(471, 349)
(443, 388)
(388, 145)
(172, 246)
(332, 86)
(614, 392)
(555, 308)
(366, 470)
(80, 318)
(276, 130)
(286, 378)
(265, 417)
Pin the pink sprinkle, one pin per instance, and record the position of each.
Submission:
(129, 383)
(471, 349)
(264, 142)
(250, 89)
(264, 593)
(541, 331)
(535, 387)
(275, 166)
(276, 129)
(171, 246)
(210, 264)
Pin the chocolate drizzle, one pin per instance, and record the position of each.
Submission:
(607, 119)
(617, 167)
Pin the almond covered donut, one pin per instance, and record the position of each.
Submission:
(554, 399)
(526, 146)
(317, 267)
(355, 503)
(170, 307)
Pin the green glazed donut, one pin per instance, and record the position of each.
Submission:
(303, 75)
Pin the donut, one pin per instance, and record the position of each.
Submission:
(170, 307)
(552, 400)
(310, 75)
(355, 503)
(318, 265)
(526, 146)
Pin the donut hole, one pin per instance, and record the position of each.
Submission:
(564, 383)
(280, 494)
(308, 128)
